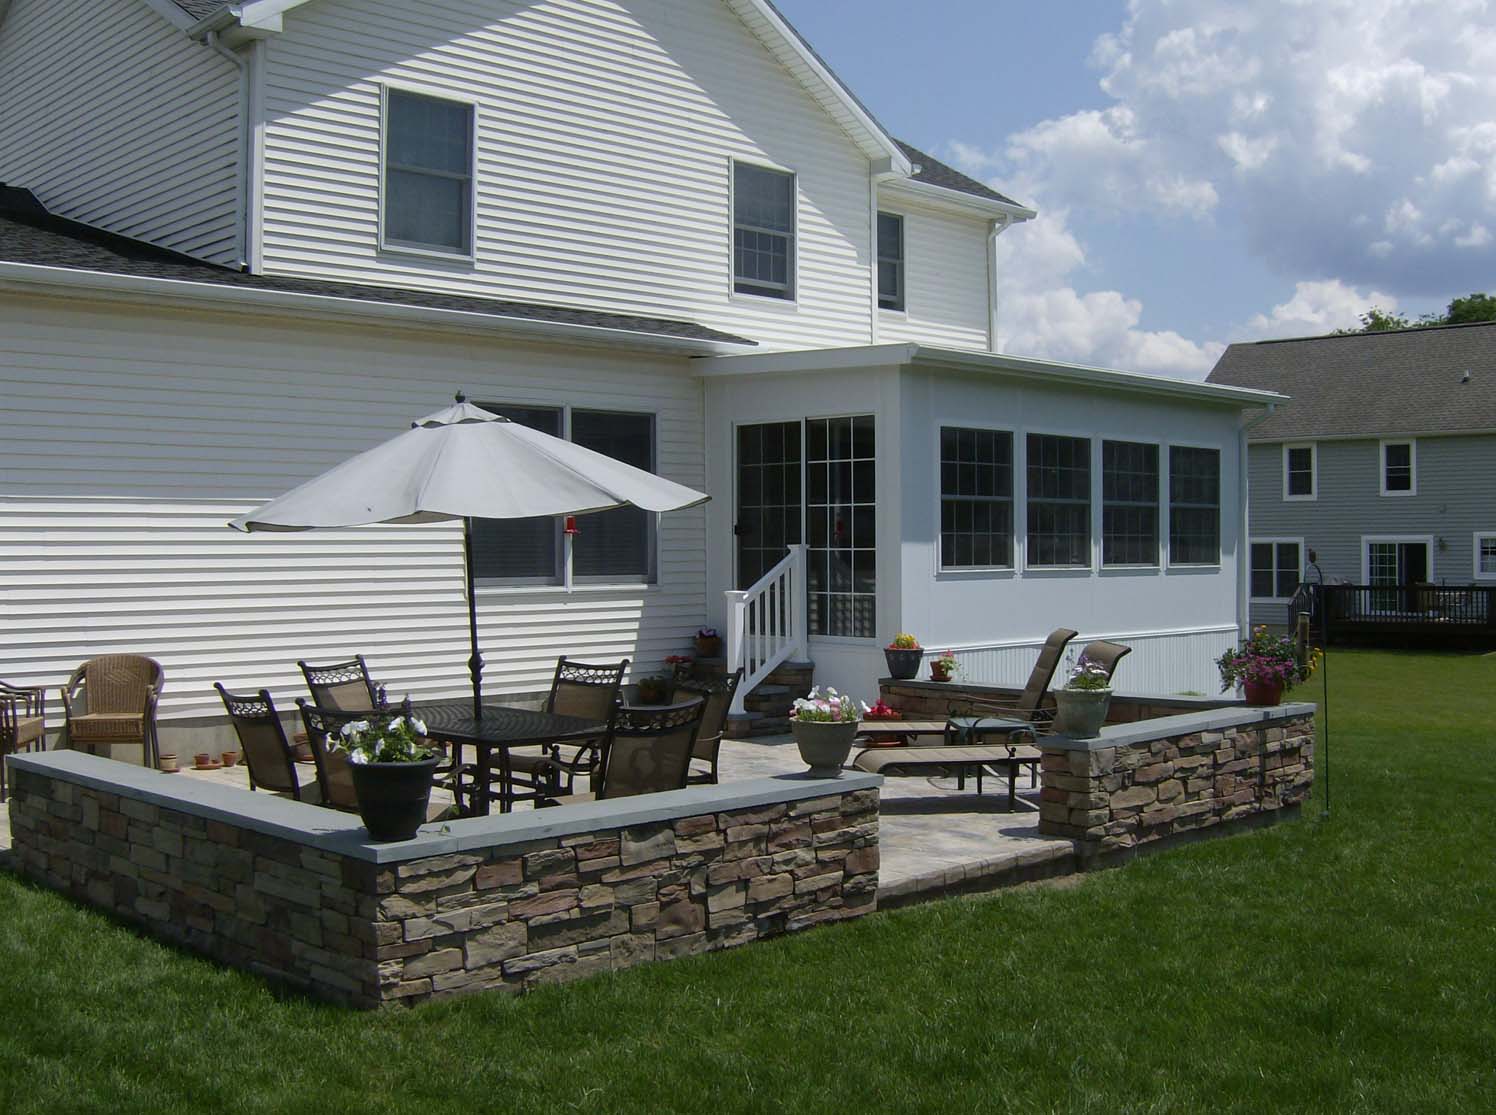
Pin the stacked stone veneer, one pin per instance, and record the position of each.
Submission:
(293, 892)
(1145, 782)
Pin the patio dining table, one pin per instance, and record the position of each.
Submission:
(501, 729)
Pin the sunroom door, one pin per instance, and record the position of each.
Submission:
(770, 508)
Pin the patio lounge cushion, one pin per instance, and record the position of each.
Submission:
(879, 760)
(107, 726)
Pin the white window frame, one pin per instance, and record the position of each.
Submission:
(1482, 536)
(415, 250)
(792, 296)
(946, 572)
(1412, 445)
(1313, 472)
(1162, 525)
(1275, 542)
(1166, 527)
(902, 309)
(1020, 491)
(564, 578)
(1426, 540)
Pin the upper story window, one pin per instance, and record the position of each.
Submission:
(614, 546)
(976, 498)
(1300, 472)
(1194, 506)
(763, 231)
(890, 261)
(428, 174)
(1129, 503)
(1399, 468)
(1059, 501)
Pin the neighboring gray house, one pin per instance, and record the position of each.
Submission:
(1384, 462)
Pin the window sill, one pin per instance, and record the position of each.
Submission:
(1043, 569)
(974, 572)
(434, 255)
(1398, 495)
(1301, 499)
(1188, 567)
(502, 591)
(748, 298)
(898, 315)
(1154, 568)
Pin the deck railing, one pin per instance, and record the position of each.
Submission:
(1365, 611)
(766, 624)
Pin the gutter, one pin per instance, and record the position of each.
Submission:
(1244, 544)
(971, 203)
(232, 297)
(996, 229)
(241, 187)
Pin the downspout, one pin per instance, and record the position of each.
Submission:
(997, 228)
(872, 193)
(241, 187)
(1244, 543)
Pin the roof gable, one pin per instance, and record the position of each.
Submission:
(1406, 382)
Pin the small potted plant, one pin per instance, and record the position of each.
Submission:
(1082, 704)
(709, 643)
(944, 666)
(391, 764)
(1264, 666)
(653, 690)
(903, 656)
(882, 711)
(824, 728)
(679, 665)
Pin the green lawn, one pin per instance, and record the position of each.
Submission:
(1347, 965)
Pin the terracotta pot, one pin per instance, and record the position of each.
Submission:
(230, 758)
(392, 797)
(167, 762)
(824, 745)
(1080, 713)
(1266, 693)
(903, 663)
(939, 672)
(202, 759)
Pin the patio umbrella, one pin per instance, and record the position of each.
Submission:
(467, 463)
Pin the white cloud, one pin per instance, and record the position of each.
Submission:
(1354, 141)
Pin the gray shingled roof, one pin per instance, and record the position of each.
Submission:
(29, 234)
(197, 9)
(930, 169)
(1372, 384)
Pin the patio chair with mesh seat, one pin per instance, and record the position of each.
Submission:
(269, 758)
(334, 775)
(23, 723)
(343, 686)
(587, 690)
(646, 751)
(718, 693)
(110, 702)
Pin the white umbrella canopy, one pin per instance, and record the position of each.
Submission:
(467, 463)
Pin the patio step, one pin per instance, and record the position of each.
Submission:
(771, 700)
(770, 703)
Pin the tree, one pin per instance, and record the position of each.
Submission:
(1462, 311)
(1473, 307)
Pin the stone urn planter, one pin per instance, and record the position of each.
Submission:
(824, 744)
(1080, 713)
(1264, 693)
(393, 797)
(903, 663)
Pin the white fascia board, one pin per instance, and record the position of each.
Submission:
(139, 288)
(942, 197)
(236, 23)
(810, 361)
(763, 17)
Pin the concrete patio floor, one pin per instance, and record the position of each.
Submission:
(935, 839)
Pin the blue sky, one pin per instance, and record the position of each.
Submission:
(1206, 170)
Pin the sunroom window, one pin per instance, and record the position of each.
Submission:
(1129, 503)
(1194, 506)
(976, 498)
(1059, 501)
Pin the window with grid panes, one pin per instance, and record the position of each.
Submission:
(976, 498)
(1276, 570)
(841, 526)
(763, 231)
(1298, 463)
(1397, 467)
(1059, 500)
(890, 261)
(1194, 506)
(1129, 503)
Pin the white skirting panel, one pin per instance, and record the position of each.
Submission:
(1162, 663)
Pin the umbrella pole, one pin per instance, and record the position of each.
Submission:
(475, 660)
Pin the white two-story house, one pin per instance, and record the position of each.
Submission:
(240, 242)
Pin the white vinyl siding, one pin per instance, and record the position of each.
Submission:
(113, 117)
(945, 280)
(606, 131)
(115, 498)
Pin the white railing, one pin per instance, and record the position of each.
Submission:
(766, 624)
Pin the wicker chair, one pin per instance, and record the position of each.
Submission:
(718, 693)
(23, 723)
(342, 686)
(334, 776)
(646, 751)
(589, 691)
(112, 700)
(269, 757)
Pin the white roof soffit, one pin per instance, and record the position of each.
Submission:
(141, 289)
(992, 363)
(942, 198)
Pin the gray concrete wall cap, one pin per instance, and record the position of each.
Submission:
(1168, 727)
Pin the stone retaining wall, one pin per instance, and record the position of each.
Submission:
(292, 891)
(1147, 782)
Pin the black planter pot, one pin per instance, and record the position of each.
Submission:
(903, 664)
(392, 797)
